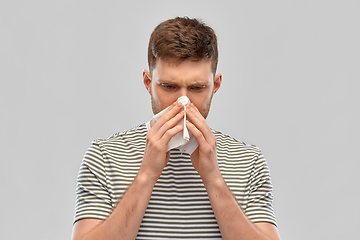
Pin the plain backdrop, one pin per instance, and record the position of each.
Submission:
(71, 72)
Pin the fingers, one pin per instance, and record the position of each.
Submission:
(197, 134)
(169, 114)
(170, 118)
(198, 126)
(205, 159)
(156, 155)
(164, 140)
(165, 128)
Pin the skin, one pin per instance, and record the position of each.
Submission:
(170, 81)
(167, 82)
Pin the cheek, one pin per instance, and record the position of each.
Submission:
(161, 99)
(203, 104)
(154, 93)
(203, 100)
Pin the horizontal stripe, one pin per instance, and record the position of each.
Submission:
(179, 206)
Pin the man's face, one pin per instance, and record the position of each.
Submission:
(170, 80)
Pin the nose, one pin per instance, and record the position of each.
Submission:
(183, 92)
(184, 100)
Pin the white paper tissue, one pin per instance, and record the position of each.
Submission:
(185, 141)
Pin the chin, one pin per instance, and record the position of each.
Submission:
(205, 112)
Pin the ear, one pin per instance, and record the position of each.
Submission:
(147, 80)
(217, 82)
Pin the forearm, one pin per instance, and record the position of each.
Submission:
(232, 221)
(126, 218)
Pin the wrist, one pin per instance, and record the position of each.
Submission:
(215, 180)
(146, 177)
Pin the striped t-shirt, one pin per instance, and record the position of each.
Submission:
(179, 206)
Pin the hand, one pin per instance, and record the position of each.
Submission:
(204, 159)
(156, 155)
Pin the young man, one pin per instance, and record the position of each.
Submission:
(130, 186)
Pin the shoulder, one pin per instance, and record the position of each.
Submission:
(230, 144)
(118, 144)
(133, 134)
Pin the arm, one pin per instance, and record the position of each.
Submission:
(231, 219)
(126, 218)
(233, 223)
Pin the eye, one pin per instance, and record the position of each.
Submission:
(168, 87)
(197, 88)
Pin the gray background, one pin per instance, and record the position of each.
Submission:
(71, 71)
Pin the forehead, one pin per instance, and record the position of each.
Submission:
(187, 69)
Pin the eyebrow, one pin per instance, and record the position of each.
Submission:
(198, 83)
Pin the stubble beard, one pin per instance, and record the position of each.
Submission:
(205, 112)
(155, 107)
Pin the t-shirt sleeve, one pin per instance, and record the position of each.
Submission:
(92, 196)
(259, 206)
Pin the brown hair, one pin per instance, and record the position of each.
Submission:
(183, 38)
